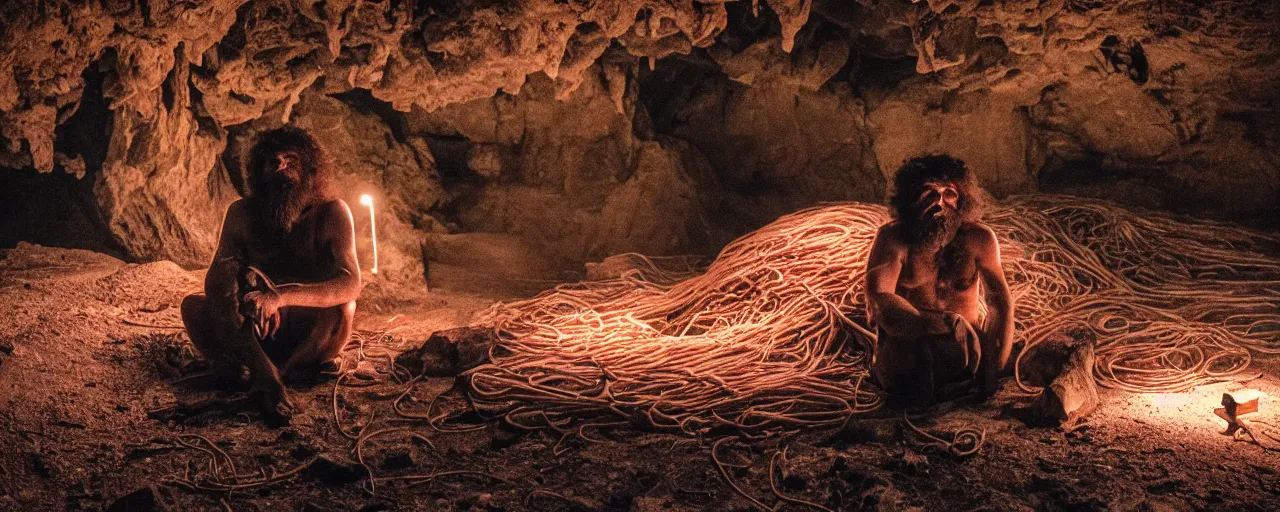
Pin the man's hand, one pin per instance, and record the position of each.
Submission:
(968, 340)
(263, 309)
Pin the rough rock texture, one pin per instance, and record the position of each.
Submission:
(155, 191)
(180, 73)
(777, 140)
(1160, 104)
(1167, 104)
(571, 176)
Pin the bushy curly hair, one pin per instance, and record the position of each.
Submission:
(317, 167)
(908, 184)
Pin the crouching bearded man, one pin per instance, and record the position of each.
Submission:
(280, 294)
(924, 275)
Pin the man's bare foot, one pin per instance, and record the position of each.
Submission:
(331, 367)
(277, 410)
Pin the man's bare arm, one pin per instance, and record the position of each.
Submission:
(999, 323)
(890, 311)
(338, 234)
(238, 338)
(221, 275)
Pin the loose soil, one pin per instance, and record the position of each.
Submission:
(100, 394)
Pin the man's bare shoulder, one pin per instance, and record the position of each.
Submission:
(978, 236)
(892, 237)
(334, 218)
(892, 230)
(238, 206)
(336, 210)
(237, 214)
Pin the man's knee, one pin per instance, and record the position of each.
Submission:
(325, 326)
(193, 309)
(339, 317)
(193, 305)
(346, 319)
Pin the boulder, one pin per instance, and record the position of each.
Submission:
(449, 353)
(1071, 393)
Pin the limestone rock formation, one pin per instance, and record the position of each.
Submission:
(776, 138)
(155, 189)
(988, 130)
(1146, 104)
(1167, 105)
(571, 176)
(180, 73)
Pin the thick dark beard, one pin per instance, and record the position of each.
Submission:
(930, 233)
(279, 202)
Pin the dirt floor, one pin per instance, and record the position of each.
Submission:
(103, 403)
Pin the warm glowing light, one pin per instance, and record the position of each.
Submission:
(1200, 407)
(1245, 395)
(367, 200)
(1170, 401)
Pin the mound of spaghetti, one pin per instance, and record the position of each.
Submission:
(768, 338)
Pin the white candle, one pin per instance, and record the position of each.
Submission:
(367, 200)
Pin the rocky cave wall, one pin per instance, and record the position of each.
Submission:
(591, 128)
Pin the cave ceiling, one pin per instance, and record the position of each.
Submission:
(247, 56)
(177, 74)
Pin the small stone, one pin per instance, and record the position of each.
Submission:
(447, 353)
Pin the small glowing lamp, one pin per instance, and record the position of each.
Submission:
(367, 200)
(1236, 404)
